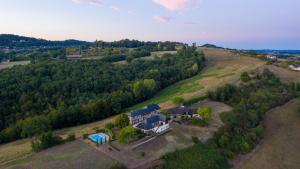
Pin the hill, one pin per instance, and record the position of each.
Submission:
(211, 46)
(16, 41)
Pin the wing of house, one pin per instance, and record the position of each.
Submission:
(140, 115)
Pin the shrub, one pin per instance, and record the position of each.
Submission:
(129, 134)
(245, 77)
(195, 100)
(85, 136)
(143, 154)
(198, 122)
(44, 141)
(205, 112)
(70, 137)
(118, 166)
(110, 126)
(122, 121)
(178, 100)
(195, 139)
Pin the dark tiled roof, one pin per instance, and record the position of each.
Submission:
(149, 123)
(181, 110)
(147, 110)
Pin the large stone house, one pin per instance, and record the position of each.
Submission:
(156, 123)
(141, 115)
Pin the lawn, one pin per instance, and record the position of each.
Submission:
(280, 147)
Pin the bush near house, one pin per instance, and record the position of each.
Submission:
(129, 134)
(205, 112)
(178, 101)
(198, 122)
(121, 121)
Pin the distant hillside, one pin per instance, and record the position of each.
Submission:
(9, 40)
(211, 46)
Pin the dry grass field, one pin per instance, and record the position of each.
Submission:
(286, 75)
(280, 148)
(73, 155)
(4, 65)
(21, 149)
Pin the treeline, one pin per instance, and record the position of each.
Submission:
(50, 95)
(15, 41)
(126, 43)
(35, 55)
(243, 125)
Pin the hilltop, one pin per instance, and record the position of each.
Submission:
(16, 41)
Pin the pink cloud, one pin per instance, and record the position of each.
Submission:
(164, 19)
(173, 5)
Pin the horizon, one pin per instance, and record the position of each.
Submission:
(232, 24)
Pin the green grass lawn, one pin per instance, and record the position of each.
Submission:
(178, 89)
(181, 88)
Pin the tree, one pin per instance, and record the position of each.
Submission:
(45, 140)
(205, 112)
(122, 121)
(128, 134)
(144, 88)
(35, 126)
(178, 101)
(245, 77)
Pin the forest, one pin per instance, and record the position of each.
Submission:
(49, 95)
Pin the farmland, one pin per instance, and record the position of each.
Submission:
(4, 65)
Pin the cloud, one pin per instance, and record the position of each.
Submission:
(115, 8)
(174, 5)
(164, 19)
(97, 3)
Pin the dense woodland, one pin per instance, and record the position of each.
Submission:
(15, 41)
(50, 95)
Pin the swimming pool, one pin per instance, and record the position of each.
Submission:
(99, 137)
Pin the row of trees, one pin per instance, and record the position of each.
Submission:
(66, 93)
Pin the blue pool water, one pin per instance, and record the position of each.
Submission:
(100, 137)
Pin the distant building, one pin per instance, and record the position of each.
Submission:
(272, 57)
(74, 56)
(181, 111)
(156, 123)
(140, 115)
(295, 67)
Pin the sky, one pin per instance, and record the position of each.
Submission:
(242, 24)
